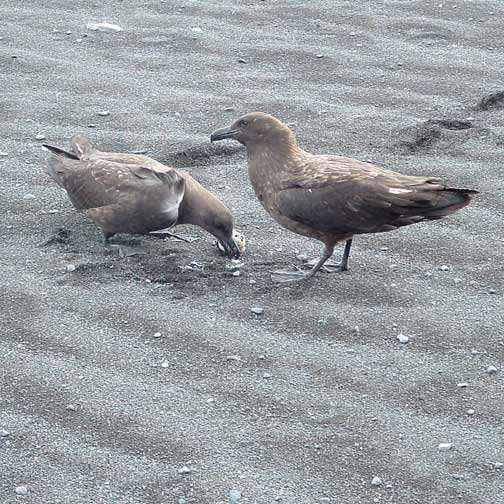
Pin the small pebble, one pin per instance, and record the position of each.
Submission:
(257, 310)
(471, 412)
(236, 273)
(445, 446)
(29, 196)
(165, 364)
(91, 125)
(229, 109)
(3, 154)
(104, 113)
(266, 376)
(491, 370)
(402, 338)
(157, 335)
(462, 385)
(71, 407)
(197, 29)
(319, 56)
(184, 470)
(69, 32)
(302, 257)
(498, 465)
(21, 490)
(40, 137)
(376, 481)
(4, 433)
(444, 268)
(241, 60)
(70, 267)
(234, 495)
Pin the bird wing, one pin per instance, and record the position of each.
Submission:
(343, 196)
(99, 183)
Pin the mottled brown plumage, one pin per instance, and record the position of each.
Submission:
(131, 193)
(332, 198)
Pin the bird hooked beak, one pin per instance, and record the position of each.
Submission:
(234, 247)
(222, 133)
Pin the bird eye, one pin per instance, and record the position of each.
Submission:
(243, 122)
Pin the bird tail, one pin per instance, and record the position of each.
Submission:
(59, 162)
(450, 201)
(58, 151)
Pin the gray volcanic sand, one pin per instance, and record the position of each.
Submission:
(345, 401)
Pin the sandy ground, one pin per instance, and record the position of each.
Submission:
(99, 410)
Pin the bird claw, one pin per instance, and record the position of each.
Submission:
(332, 268)
(288, 276)
(328, 267)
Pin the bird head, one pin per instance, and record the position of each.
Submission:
(252, 128)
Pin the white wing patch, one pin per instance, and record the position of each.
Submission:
(396, 190)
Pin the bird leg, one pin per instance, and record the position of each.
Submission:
(285, 276)
(346, 255)
(164, 234)
(106, 238)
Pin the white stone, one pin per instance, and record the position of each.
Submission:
(376, 481)
(402, 338)
(445, 446)
(184, 470)
(104, 27)
(234, 495)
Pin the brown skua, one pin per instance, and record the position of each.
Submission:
(132, 193)
(332, 198)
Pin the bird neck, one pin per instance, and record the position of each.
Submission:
(276, 149)
(199, 206)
